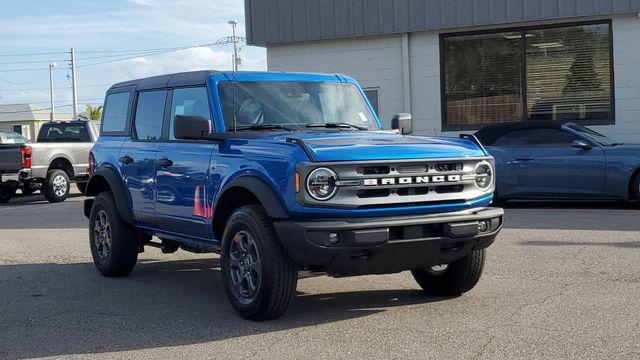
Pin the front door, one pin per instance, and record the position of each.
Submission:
(183, 170)
(138, 156)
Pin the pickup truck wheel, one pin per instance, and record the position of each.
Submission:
(259, 277)
(56, 186)
(82, 186)
(455, 278)
(5, 196)
(114, 244)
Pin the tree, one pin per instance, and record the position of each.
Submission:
(94, 113)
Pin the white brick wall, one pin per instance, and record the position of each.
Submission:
(377, 62)
(626, 67)
(374, 62)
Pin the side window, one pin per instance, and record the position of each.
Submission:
(149, 114)
(536, 137)
(115, 112)
(188, 101)
(372, 95)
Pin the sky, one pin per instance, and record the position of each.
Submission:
(102, 31)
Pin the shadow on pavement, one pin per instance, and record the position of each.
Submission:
(623, 245)
(50, 310)
(34, 199)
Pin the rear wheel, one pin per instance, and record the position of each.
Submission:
(114, 244)
(635, 191)
(259, 277)
(454, 278)
(5, 196)
(56, 186)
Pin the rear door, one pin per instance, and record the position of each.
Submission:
(183, 170)
(138, 154)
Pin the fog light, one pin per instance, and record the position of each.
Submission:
(334, 238)
(483, 225)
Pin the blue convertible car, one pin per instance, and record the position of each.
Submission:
(552, 160)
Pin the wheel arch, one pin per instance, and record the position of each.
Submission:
(107, 179)
(632, 191)
(62, 163)
(243, 191)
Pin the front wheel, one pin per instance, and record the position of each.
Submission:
(259, 277)
(454, 278)
(56, 186)
(114, 244)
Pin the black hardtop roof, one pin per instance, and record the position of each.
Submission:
(168, 80)
(490, 134)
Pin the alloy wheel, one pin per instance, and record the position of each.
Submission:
(60, 185)
(244, 266)
(102, 234)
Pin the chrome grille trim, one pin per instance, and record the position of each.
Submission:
(351, 182)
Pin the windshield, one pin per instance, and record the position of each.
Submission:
(294, 105)
(593, 135)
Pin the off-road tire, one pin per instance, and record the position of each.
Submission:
(279, 275)
(459, 277)
(635, 191)
(5, 197)
(125, 240)
(82, 187)
(51, 188)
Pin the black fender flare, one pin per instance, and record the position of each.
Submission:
(263, 192)
(94, 187)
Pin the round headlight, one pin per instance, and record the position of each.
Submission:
(484, 175)
(321, 184)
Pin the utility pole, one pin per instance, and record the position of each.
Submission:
(74, 88)
(237, 61)
(52, 91)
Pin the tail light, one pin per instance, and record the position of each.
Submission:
(25, 157)
(90, 169)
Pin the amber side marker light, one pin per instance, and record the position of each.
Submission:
(297, 183)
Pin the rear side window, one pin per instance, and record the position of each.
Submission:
(115, 112)
(536, 137)
(149, 113)
(64, 133)
(189, 101)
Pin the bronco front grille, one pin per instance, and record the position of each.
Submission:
(399, 183)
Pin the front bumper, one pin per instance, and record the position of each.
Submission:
(390, 244)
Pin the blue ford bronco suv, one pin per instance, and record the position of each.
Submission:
(282, 174)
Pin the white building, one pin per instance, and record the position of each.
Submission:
(26, 119)
(457, 65)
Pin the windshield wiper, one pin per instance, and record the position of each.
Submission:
(336, 125)
(265, 127)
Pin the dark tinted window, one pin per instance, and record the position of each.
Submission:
(372, 95)
(61, 132)
(149, 113)
(115, 113)
(189, 101)
(536, 137)
(558, 73)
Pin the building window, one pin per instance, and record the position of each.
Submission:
(372, 95)
(546, 73)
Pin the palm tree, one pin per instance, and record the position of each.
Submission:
(94, 113)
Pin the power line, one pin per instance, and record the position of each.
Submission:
(29, 69)
(32, 54)
(57, 88)
(25, 82)
(31, 61)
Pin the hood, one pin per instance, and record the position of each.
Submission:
(354, 146)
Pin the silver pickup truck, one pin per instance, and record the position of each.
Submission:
(59, 156)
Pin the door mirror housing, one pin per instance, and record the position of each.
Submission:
(402, 122)
(190, 127)
(581, 144)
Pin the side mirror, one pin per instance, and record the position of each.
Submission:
(402, 122)
(188, 127)
(581, 144)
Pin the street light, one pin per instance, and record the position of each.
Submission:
(51, 90)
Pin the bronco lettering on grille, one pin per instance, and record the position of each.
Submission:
(411, 180)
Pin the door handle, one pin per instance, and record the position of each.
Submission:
(164, 162)
(126, 159)
(524, 158)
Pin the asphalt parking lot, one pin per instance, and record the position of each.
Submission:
(562, 281)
